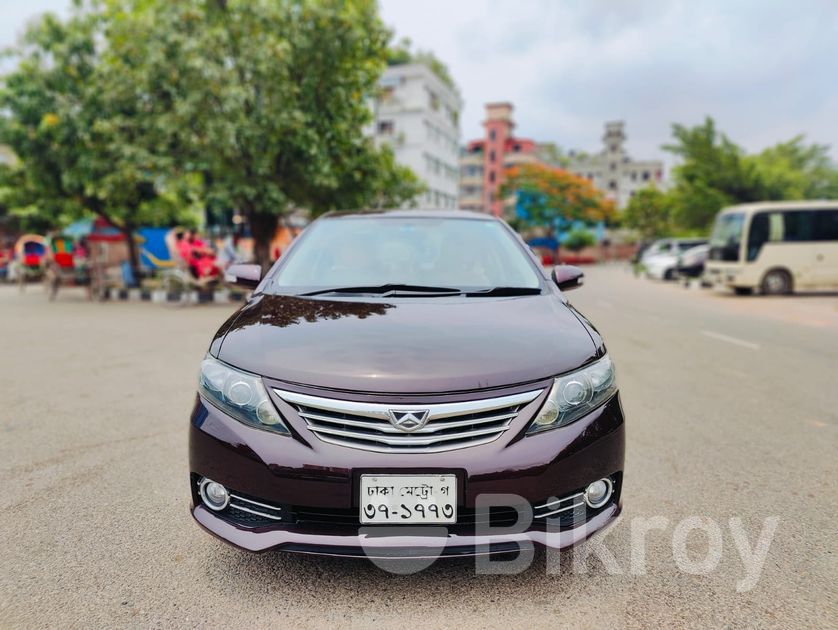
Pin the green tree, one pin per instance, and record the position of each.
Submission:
(794, 170)
(715, 172)
(82, 138)
(267, 99)
(712, 174)
(649, 212)
(577, 240)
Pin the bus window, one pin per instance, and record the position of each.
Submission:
(826, 225)
(757, 234)
(797, 225)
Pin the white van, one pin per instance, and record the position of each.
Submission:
(779, 247)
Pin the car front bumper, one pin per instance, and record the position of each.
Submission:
(305, 476)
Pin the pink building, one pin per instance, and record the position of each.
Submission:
(484, 161)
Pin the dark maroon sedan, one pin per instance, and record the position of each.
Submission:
(406, 383)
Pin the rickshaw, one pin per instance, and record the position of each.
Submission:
(63, 267)
(30, 250)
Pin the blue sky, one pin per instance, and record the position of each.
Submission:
(766, 70)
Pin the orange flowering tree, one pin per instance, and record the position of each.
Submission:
(548, 196)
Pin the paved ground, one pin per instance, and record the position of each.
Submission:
(732, 405)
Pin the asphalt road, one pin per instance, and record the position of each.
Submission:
(732, 405)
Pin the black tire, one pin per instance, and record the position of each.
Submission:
(669, 274)
(743, 290)
(776, 282)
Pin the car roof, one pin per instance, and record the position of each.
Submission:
(417, 213)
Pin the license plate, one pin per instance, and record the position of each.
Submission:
(408, 499)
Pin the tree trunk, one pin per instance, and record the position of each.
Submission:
(263, 228)
(133, 261)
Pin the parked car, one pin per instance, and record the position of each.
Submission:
(691, 262)
(778, 247)
(661, 260)
(391, 374)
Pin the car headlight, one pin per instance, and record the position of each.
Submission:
(574, 395)
(239, 394)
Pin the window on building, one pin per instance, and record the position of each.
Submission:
(634, 176)
(491, 134)
(386, 94)
(516, 147)
(491, 177)
(492, 155)
(645, 176)
(612, 185)
(386, 127)
(433, 100)
(613, 166)
(613, 148)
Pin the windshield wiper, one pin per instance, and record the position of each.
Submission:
(386, 290)
(503, 292)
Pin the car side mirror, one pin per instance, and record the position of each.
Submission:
(243, 275)
(567, 277)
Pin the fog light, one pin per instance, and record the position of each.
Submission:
(214, 495)
(598, 493)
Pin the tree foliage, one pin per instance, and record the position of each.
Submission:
(649, 212)
(577, 240)
(82, 139)
(715, 172)
(267, 99)
(139, 110)
(546, 193)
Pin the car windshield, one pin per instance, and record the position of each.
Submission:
(345, 252)
(687, 245)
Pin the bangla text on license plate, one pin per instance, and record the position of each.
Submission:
(404, 499)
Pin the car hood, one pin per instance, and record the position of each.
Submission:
(661, 259)
(407, 345)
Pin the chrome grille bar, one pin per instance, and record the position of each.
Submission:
(256, 512)
(552, 506)
(447, 426)
(378, 426)
(410, 440)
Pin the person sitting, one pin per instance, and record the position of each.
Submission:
(200, 257)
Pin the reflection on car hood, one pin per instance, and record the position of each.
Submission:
(408, 345)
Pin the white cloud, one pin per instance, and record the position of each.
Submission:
(765, 70)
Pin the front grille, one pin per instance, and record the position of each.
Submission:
(432, 427)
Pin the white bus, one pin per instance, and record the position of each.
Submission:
(777, 247)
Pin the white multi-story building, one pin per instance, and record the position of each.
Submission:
(613, 171)
(418, 115)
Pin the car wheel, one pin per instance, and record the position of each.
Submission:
(743, 290)
(669, 274)
(777, 282)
